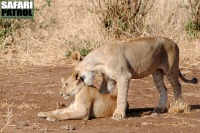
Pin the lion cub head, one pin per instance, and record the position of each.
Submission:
(71, 86)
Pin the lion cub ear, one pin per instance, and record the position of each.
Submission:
(63, 80)
(78, 78)
(75, 75)
(76, 56)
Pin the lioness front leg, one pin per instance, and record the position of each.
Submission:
(122, 84)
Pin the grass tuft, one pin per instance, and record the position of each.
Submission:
(123, 18)
(193, 24)
(178, 107)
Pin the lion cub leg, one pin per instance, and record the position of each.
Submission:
(159, 83)
(55, 112)
(76, 114)
(79, 112)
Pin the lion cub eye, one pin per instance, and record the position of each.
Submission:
(66, 84)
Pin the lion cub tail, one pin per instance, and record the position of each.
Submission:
(193, 80)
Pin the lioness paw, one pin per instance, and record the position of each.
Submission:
(52, 118)
(118, 115)
(42, 114)
(159, 110)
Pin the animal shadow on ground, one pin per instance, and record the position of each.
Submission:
(139, 112)
(194, 107)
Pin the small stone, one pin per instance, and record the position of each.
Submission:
(84, 122)
(24, 123)
(4, 117)
(144, 123)
(68, 127)
(14, 51)
(5, 51)
(155, 114)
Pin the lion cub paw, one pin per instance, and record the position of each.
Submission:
(42, 114)
(52, 118)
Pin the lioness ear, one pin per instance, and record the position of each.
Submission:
(76, 56)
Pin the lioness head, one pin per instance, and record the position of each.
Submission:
(87, 75)
(71, 86)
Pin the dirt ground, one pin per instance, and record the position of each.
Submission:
(26, 91)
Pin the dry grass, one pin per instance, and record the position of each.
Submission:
(56, 29)
(9, 116)
(26, 106)
(123, 19)
(170, 22)
(6, 105)
(66, 25)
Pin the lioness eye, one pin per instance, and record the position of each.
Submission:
(66, 84)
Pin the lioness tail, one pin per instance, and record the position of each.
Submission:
(193, 80)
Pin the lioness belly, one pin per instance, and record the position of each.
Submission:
(143, 57)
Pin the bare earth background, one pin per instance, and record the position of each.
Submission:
(25, 92)
(31, 69)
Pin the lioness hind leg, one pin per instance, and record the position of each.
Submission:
(178, 106)
(107, 85)
(103, 87)
(173, 79)
(158, 80)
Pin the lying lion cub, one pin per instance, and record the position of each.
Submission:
(89, 103)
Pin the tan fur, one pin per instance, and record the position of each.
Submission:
(121, 61)
(89, 103)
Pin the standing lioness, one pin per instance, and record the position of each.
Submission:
(88, 103)
(135, 59)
